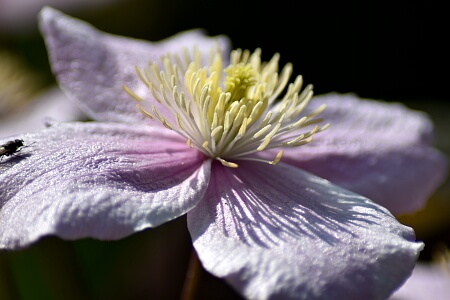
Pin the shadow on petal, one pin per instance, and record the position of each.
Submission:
(268, 206)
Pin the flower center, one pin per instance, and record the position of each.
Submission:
(230, 113)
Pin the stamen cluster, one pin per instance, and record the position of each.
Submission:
(229, 113)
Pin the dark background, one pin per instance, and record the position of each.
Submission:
(393, 51)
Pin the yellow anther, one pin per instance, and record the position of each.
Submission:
(230, 112)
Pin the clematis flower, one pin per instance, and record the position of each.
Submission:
(223, 141)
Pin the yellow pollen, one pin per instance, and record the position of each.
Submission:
(240, 78)
(230, 113)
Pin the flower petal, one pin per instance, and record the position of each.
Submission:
(380, 150)
(91, 66)
(50, 104)
(96, 180)
(428, 281)
(280, 232)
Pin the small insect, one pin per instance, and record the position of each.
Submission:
(11, 148)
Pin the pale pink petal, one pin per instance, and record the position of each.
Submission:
(380, 150)
(51, 104)
(91, 66)
(282, 233)
(428, 281)
(97, 180)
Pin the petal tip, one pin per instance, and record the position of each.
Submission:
(47, 13)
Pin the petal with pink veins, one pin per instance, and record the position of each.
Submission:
(282, 233)
(97, 180)
(380, 150)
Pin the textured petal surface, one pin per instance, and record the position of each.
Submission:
(96, 180)
(91, 66)
(380, 150)
(281, 233)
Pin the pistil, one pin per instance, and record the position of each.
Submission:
(233, 118)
